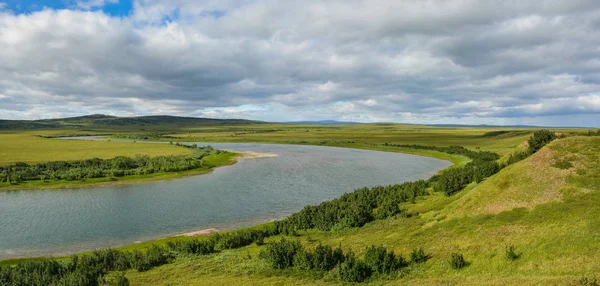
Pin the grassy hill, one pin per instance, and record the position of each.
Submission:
(99, 121)
(545, 206)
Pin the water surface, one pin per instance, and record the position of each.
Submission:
(255, 190)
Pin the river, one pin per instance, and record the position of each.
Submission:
(255, 190)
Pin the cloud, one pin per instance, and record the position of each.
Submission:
(450, 61)
(91, 4)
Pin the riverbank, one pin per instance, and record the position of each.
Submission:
(214, 161)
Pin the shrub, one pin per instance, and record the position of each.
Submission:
(382, 261)
(194, 246)
(457, 261)
(281, 254)
(303, 260)
(326, 258)
(510, 253)
(418, 255)
(539, 139)
(388, 209)
(516, 157)
(353, 269)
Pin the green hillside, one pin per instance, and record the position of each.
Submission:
(545, 208)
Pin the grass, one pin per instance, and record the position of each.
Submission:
(28, 147)
(365, 134)
(557, 239)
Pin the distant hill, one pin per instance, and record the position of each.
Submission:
(101, 120)
(497, 126)
(322, 122)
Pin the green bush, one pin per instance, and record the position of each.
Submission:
(382, 261)
(457, 261)
(326, 258)
(539, 139)
(510, 253)
(193, 246)
(303, 260)
(418, 255)
(281, 254)
(353, 269)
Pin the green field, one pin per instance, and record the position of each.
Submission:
(546, 206)
(29, 147)
(351, 135)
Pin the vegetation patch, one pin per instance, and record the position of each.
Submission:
(102, 168)
(562, 164)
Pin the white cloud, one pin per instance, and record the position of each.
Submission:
(368, 102)
(417, 61)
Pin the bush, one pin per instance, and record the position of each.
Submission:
(510, 253)
(281, 254)
(326, 258)
(382, 261)
(516, 157)
(194, 246)
(457, 261)
(353, 269)
(303, 260)
(418, 255)
(539, 139)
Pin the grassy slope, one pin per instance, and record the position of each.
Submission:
(556, 230)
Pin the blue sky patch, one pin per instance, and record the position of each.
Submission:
(121, 8)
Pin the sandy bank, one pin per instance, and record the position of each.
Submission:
(252, 154)
(207, 231)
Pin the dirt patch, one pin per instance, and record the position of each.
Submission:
(252, 154)
(202, 232)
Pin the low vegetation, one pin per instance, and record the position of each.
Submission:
(102, 168)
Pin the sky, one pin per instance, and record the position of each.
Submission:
(412, 61)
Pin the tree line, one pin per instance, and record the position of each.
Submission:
(103, 168)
